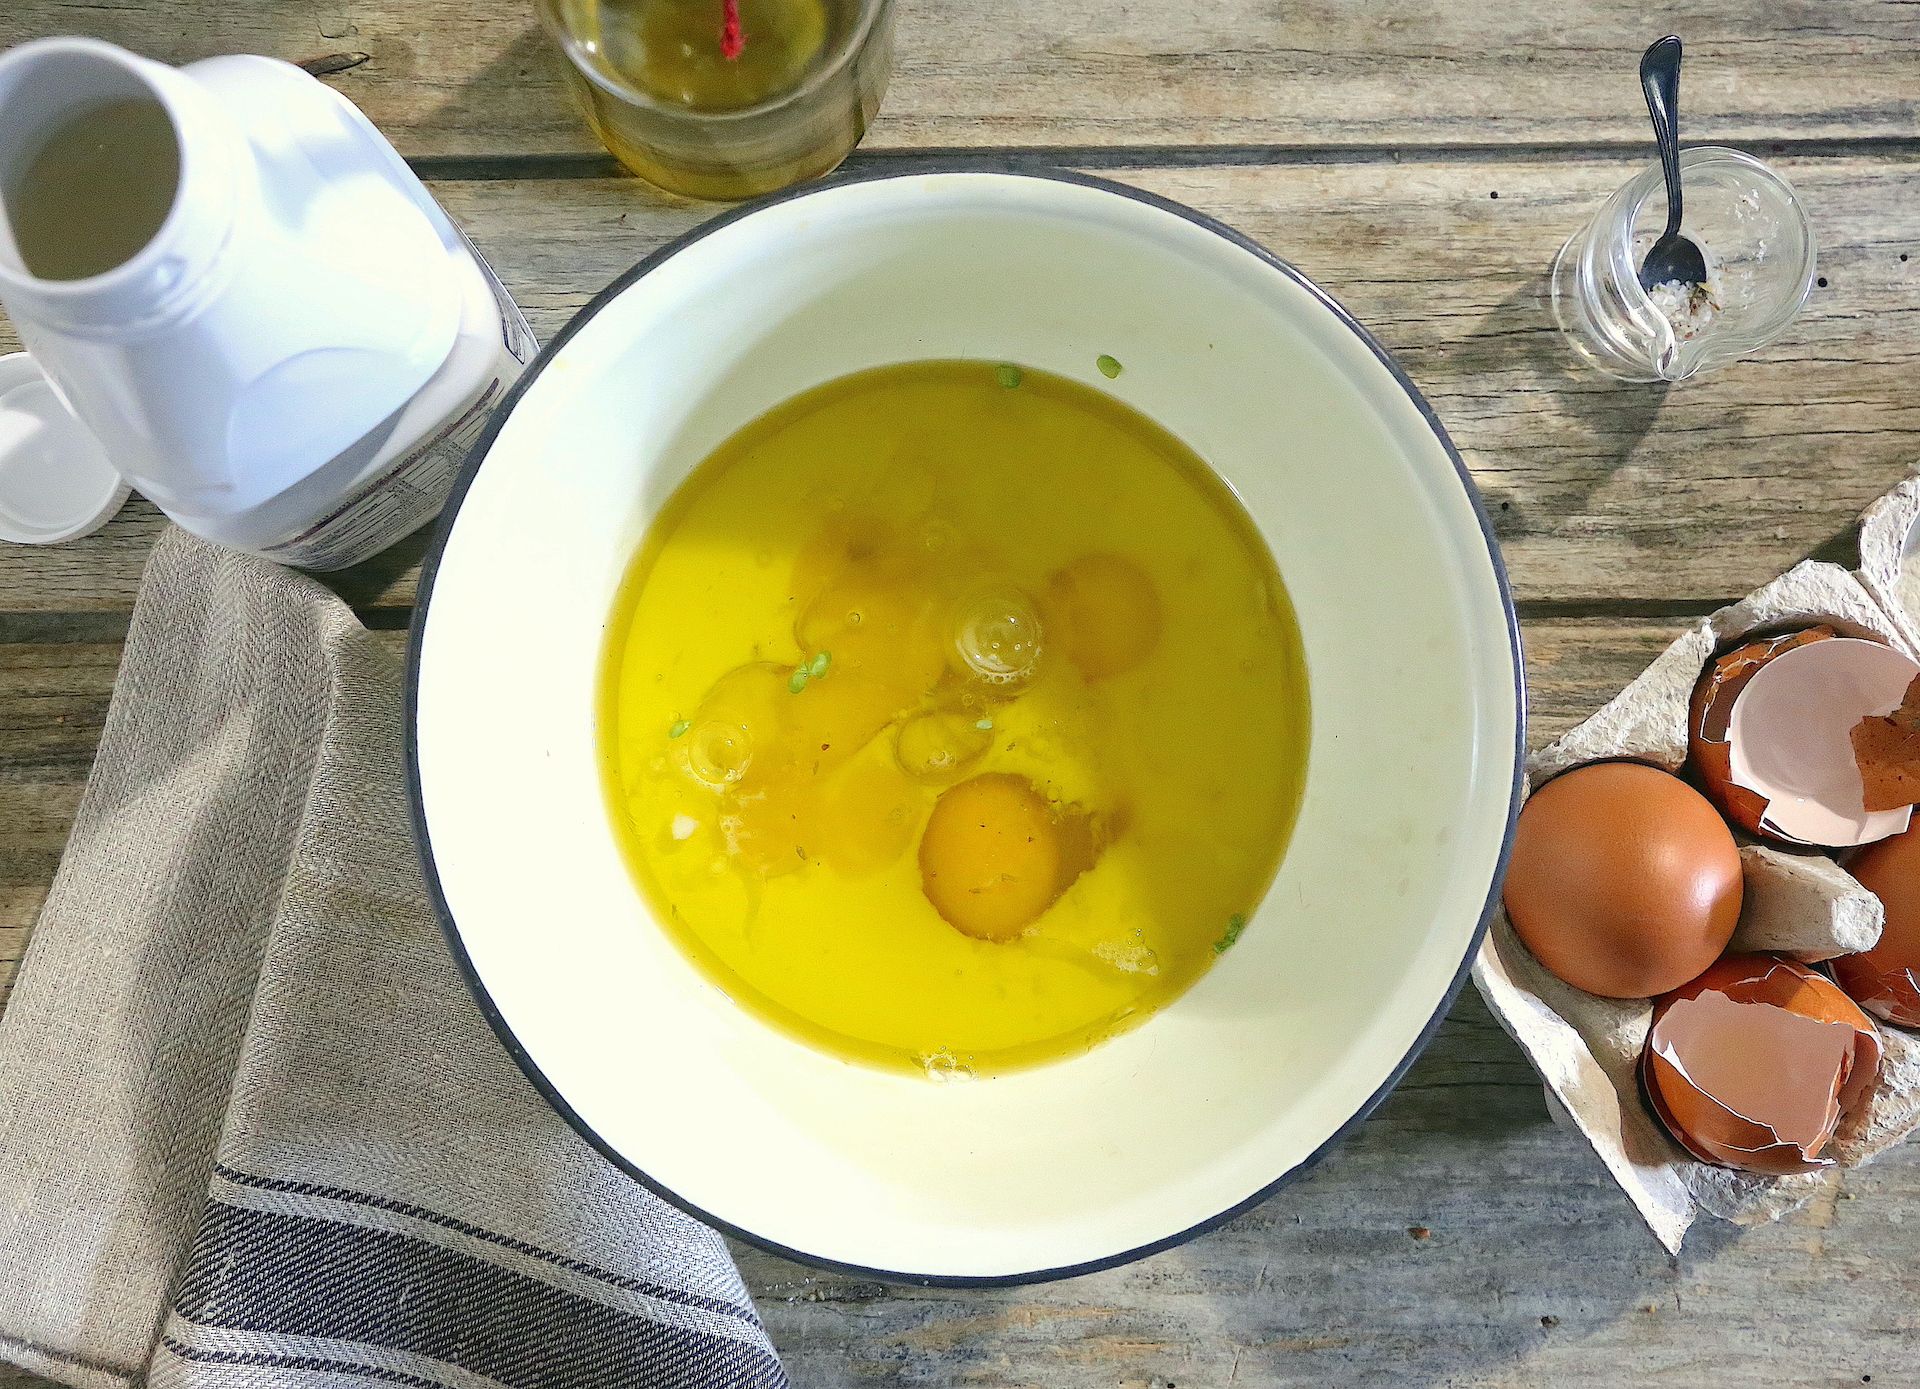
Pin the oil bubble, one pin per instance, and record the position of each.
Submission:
(1129, 959)
(940, 746)
(943, 1067)
(718, 754)
(996, 635)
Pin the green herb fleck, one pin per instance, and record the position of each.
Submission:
(798, 680)
(1235, 925)
(679, 728)
(1109, 366)
(819, 664)
(985, 725)
(1007, 374)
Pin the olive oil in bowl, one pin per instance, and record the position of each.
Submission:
(954, 717)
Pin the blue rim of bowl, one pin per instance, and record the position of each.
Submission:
(429, 570)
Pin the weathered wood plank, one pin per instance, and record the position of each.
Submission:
(1466, 1123)
(444, 78)
(1533, 1270)
(1600, 491)
(53, 701)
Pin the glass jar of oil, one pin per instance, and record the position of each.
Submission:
(726, 99)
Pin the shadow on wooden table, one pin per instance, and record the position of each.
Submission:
(1458, 1234)
(522, 90)
(1521, 337)
(1517, 357)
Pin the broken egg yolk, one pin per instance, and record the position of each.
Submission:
(990, 859)
(899, 749)
(1108, 612)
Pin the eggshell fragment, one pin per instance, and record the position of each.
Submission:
(1887, 751)
(1755, 1064)
(1885, 979)
(1771, 735)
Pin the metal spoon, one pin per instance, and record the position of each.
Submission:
(1672, 257)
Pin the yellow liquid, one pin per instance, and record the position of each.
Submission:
(729, 128)
(96, 192)
(923, 577)
(671, 49)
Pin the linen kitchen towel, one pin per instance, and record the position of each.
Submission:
(253, 1130)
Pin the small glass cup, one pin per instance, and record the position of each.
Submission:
(724, 101)
(1758, 244)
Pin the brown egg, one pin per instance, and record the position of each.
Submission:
(1755, 1064)
(1624, 881)
(1886, 979)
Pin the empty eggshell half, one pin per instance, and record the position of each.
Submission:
(1755, 1064)
(1771, 726)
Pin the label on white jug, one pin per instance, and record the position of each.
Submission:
(395, 504)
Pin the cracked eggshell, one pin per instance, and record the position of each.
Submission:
(1887, 751)
(1885, 978)
(1710, 720)
(1757, 1063)
(1587, 1049)
(1772, 722)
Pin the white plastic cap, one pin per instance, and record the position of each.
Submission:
(55, 481)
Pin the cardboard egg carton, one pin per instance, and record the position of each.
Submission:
(1587, 1049)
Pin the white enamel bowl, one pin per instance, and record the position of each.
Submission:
(1343, 971)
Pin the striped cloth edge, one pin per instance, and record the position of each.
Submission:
(253, 1130)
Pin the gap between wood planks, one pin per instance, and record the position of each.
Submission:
(377, 610)
(504, 167)
(89, 627)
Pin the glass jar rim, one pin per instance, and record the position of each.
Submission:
(587, 65)
(1650, 179)
(1641, 189)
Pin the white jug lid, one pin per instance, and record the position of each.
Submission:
(55, 481)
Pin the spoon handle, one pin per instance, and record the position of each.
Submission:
(1660, 79)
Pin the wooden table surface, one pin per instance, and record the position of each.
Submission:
(1423, 160)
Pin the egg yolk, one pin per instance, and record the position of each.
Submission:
(991, 857)
(1106, 613)
(919, 588)
(866, 814)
